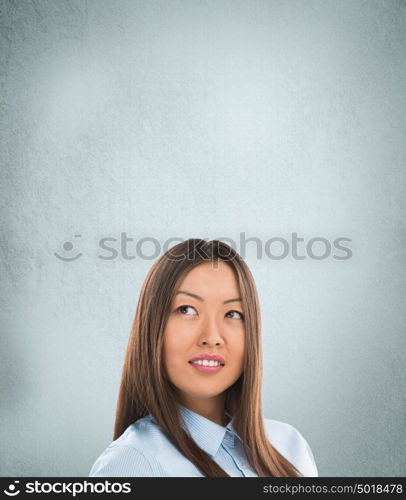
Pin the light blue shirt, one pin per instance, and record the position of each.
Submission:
(143, 450)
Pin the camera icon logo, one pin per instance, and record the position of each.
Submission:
(68, 247)
(13, 492)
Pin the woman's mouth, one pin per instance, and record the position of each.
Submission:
(206, 366)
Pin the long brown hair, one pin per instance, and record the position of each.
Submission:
(145, 388)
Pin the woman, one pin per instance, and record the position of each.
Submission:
(190, 396)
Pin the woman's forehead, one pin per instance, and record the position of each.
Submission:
(211, 279)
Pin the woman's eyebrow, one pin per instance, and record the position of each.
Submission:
(202, 300)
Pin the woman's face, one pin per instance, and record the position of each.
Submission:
(205, 318)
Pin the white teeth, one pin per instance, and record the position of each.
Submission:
(206, 362)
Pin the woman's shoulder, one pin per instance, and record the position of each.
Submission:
(132, 453)
(141, 434)
(289, 441)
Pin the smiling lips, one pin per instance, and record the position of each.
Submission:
(208, 363)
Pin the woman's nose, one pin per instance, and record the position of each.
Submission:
(211, 334)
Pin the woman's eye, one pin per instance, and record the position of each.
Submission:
(191, 311)
(239, 315)
(182, 309)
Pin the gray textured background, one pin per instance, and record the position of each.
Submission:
(203, 119)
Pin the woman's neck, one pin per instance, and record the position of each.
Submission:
(212, 409)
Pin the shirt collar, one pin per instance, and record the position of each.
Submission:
(207, 434)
